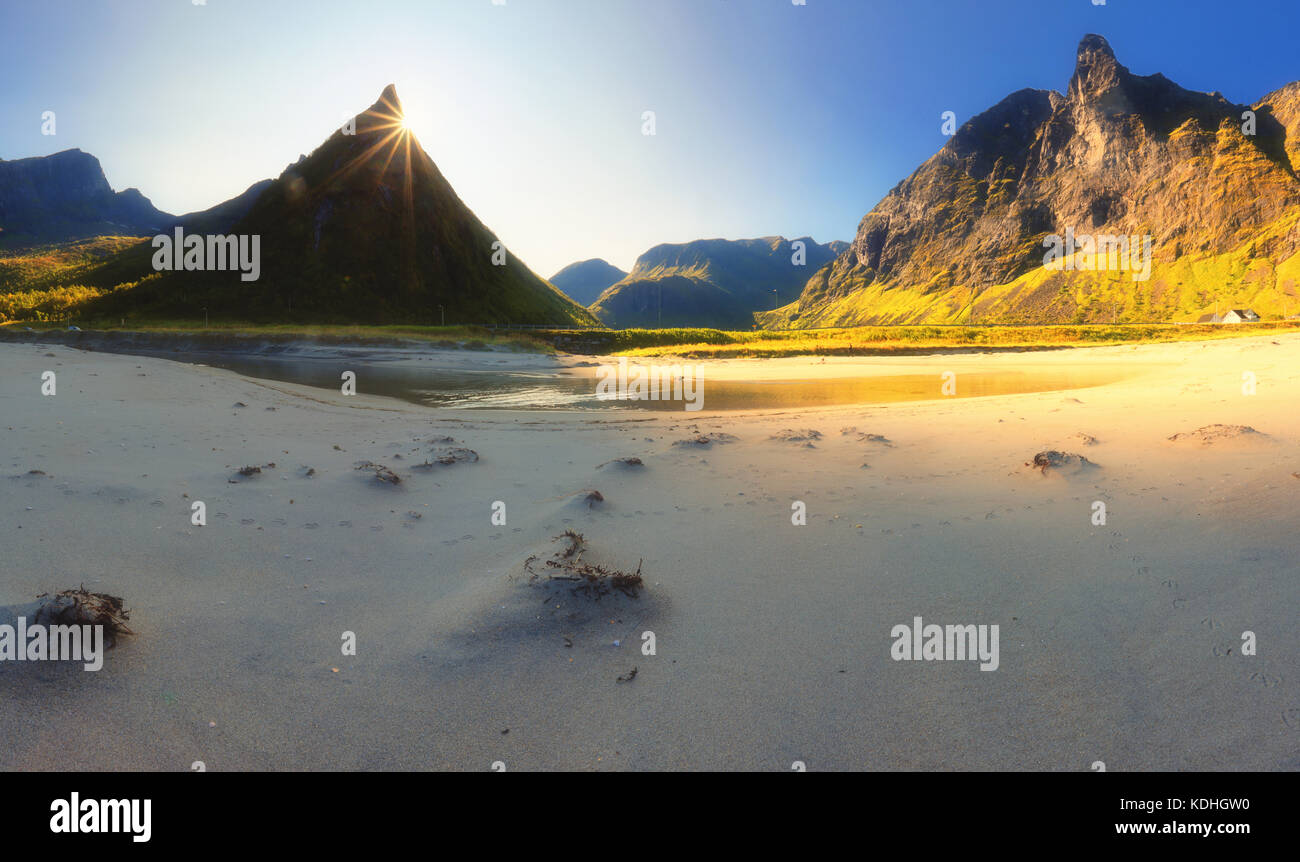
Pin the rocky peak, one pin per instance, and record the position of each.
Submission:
(383, 116)
(1096, 71)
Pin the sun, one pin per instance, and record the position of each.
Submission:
(404, 123)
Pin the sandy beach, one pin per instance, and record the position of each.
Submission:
(1119, 643)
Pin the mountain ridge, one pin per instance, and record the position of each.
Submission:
(711, 282)
(961, 238)
(66, 196)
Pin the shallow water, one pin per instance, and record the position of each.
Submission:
(532, 390)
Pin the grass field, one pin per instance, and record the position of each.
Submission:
(868, 340)
(718, 344)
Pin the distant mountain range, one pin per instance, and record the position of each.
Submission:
(587, 279)
(963, 238)
(65, 197)
(712, 282)
(1150, 202)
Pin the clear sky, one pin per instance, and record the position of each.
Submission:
(771, 117)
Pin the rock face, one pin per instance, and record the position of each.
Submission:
(584, 281)
(66, 196)
(365, 229)
(962, 238)
(712, 282)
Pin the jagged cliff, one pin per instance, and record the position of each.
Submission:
(962, 238)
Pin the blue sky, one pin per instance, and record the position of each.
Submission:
(771, 118)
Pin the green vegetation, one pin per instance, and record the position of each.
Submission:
(58, 264)
(715, 343)
(471, 337)
(869, 340)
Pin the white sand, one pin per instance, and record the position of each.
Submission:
(773, 640)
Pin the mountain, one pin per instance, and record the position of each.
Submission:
(66, 196)
(222, 217)
(711, 282)
(963, 238)
(587, 279)
(363, 230)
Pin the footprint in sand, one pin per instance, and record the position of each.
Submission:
(377, 528)
(311, 526)
(222, 515)
(1211, 623)
(1169, 583)
(345, 523)
(1265, 680)
(1291, 718)
(247, 521)
(279, 522)
(157, 503)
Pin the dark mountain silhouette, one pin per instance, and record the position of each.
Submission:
(65, 196)
(365, 229)
(962, 238)
(711, 282)
(222, 217)
(587, 279)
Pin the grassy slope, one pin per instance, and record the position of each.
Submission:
(51, 282)
(869, 340)
(1244, 266)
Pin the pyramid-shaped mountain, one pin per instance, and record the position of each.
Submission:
(1212, 183)
(365, 229)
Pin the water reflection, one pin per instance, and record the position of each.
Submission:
(531, 390)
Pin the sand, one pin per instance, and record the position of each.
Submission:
(1119, 643)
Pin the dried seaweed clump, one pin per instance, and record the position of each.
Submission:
(447, 456)
(589, 580)
(863, 437)
(625, 462)
(802, 435)
(707, 440)
(253, 470)
(1052, 459)
(382, 473)
(81, 608)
